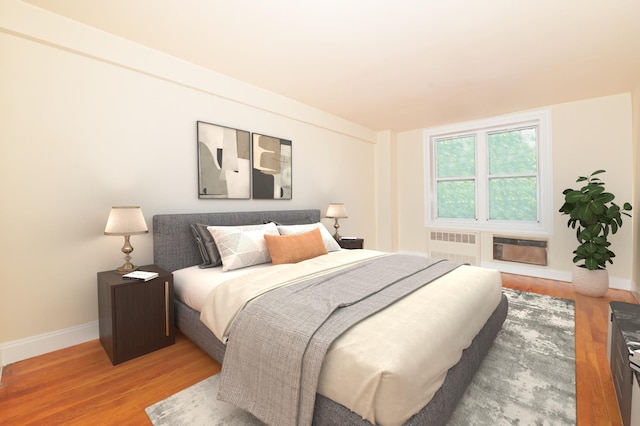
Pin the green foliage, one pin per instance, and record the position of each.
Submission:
(513, 152)
(457, 199)
(513, 199)
(594, 215)
(512, 183)
(456, 157)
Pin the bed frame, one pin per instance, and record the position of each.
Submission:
(174, 248)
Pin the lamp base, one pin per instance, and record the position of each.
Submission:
(126, 249)
(126, 268)
(336, 226)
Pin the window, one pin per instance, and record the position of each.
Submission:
(492, 174)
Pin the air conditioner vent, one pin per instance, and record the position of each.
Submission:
(521, 250)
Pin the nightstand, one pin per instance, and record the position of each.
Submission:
(351, 243)
(624, 328)
(136, 317)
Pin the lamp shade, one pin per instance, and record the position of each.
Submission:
(126, 220)
(336, 210)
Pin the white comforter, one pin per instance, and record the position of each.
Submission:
(388, 367)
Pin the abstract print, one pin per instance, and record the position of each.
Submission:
(224, 162)
(271, 168)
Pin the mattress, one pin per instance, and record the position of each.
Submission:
(388, 367)
(192, 285)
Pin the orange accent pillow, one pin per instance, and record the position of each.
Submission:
(295, 248)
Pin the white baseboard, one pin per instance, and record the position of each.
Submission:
(541, 272)
(530, 271)
(551, 274)
(29, 347)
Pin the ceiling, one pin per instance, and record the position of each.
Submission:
(390, 64)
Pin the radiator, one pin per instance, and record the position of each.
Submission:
(522, 250)
(462, 247)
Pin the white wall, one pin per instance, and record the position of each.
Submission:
(89, 121)
(587, 135)
(635, 287)
(386, 192)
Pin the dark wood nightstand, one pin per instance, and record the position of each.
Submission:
(136, 317)
(351, 243)
(624, 328)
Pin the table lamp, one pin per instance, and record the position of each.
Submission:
(336, 211)
(126, 221)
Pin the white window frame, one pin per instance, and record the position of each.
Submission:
(544, 224)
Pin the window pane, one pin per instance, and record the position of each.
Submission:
(513, 199)
(457, 199)
(456, 157)
(513, 152)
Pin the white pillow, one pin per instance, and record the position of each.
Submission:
(242, 246)
(329, 242)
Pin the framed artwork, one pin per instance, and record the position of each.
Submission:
(224, 162)
(271, 172)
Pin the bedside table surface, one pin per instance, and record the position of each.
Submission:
(113, 277)
(351, 243)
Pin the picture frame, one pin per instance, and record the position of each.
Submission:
(224, 162)
(271, 168)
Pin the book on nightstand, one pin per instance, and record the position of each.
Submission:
(140, 275)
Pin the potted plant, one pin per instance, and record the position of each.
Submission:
(594, 216)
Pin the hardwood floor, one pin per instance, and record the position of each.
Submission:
(78, 385)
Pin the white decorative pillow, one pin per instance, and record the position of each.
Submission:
(329, 242)
(242, 246)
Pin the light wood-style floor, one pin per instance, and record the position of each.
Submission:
(79, 386)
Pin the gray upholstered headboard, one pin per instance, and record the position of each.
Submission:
(174, 246)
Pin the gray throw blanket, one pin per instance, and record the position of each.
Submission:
(278, 342)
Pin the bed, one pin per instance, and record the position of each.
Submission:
(175, 250)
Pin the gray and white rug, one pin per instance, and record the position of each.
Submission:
(527, 378)
(529, 375)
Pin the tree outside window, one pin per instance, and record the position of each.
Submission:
(489, 174)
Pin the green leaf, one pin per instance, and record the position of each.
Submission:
(600, 240)
(595, 229)
(591, 264)
(603, 198)
(573, 197)
(596, 189)
(585, 214)
(596, 208)
(585, 235)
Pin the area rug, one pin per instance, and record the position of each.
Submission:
(529, 374)
(527, 378)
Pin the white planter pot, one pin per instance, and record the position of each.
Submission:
(590, 283)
